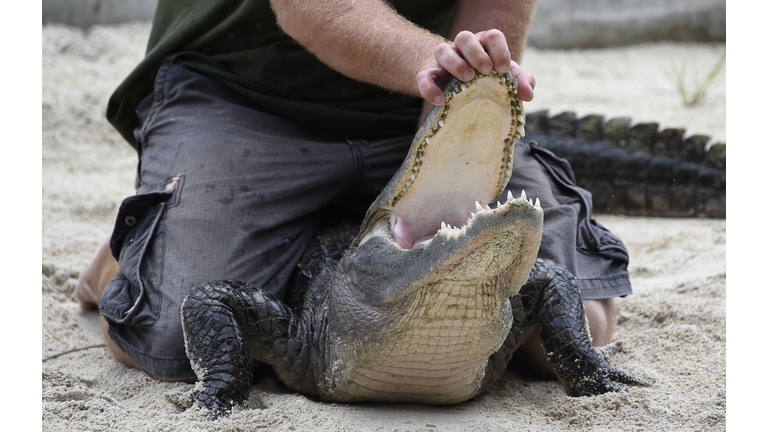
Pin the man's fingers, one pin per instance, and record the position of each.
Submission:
(472, 52)
(526, 82)
(450, 59)
(428, 87)
(469, 47)
(495, 44)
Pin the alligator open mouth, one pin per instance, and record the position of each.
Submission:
(460, 160)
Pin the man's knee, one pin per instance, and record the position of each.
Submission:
(117, 353)
(120, 356)
(601, 315)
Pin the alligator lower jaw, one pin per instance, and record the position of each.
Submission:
(495, 241)
(400, 223)
(492, 242)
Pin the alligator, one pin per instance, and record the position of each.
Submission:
(636, 169)
(427, 301)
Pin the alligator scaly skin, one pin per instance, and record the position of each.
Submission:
(636, 169)
(227, 319)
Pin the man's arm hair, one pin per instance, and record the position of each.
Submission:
(369, 41)
(363, 39)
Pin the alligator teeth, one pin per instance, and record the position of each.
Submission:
(463, 86)
(472, 214)
(498, 204)
(521, 119)
(522, 195)
(538, 204)
(478, 207)
(442, 225)
(509, 196)
(488, 207)
(521, 129)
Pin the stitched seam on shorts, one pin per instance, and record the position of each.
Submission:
(159, 96)
(144, 287)
(357, 160)
(606, 278)
(161, 266)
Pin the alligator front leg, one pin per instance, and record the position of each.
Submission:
(565, 334)
(551, 300)
(227, 324)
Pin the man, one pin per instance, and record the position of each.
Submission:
(254, 122)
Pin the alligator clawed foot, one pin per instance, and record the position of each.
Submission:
(209, 398)
(215, 406)
(609, 350)
(605, 379)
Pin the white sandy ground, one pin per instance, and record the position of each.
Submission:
(674, 326)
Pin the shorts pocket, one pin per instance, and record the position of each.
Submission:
(132, 297)
(592, 238)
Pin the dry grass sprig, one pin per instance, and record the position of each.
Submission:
(693, 93)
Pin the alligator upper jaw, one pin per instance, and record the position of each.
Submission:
(462, 154)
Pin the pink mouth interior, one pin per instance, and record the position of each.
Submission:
(463, 163)
(405, 235)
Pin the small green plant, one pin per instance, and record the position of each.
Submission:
(695, 93)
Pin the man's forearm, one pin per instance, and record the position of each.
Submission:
(368, 41)
(363, 39)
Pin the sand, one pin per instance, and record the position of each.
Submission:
(673, 327)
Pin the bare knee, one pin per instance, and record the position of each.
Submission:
(120, 356)
(601, 315)
(96, 277)
(115, 350)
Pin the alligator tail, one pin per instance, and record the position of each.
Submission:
(636, 169)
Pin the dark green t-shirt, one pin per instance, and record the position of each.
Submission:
(239, 43)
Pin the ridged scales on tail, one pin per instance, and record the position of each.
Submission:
(637, 169)
(427, 300)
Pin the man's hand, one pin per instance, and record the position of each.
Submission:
(468, 53)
